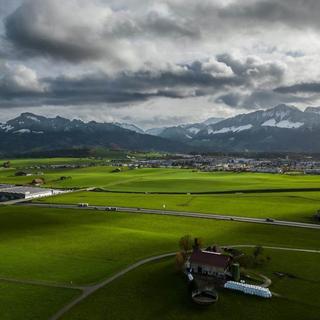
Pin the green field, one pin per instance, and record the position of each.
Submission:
(165, 293)
(63, 245)
(24, 301)
(294, 206)
(82, 247)
(70, 247)
(165, 180)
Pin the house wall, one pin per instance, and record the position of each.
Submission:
(7, 196)
(39, 195)
(209, 270)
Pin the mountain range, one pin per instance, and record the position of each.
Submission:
(30, 133)
(183, 132)
(282, 128)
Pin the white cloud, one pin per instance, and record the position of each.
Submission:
(18, 79)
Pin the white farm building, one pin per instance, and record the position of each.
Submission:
(11, 192)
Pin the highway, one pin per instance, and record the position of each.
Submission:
(180, 214)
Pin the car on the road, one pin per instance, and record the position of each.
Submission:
(269, 220)
(83, 205)
(111, 209)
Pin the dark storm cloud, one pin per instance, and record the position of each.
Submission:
(231, 99)
(63, 29)
(50, 28)
(259, 99)
(253, 69)
(199, 78)
(25, 27)
(173, 26)
(126, 87)
(311, 87)
(293, 13)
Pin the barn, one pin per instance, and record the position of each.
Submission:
(210, 263)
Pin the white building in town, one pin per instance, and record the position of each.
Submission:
(11, 192)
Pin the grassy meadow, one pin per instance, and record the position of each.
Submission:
(25, 301)
(163, 180)
(146, 286)
(64, 245)
(294, 206)
(83, 247)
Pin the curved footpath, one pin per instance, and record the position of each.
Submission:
(181, 214)
(91, 289)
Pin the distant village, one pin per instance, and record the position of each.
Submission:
(205, 163)
(231, 164)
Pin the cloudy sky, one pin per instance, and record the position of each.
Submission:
(157, 63)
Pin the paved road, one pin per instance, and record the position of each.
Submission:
(91, 289)
(12, 202)
(274, 248)
(183, 214)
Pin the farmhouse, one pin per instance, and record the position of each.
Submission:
(210, 263)
(10, 192)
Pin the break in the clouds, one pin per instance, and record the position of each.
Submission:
(157, 61)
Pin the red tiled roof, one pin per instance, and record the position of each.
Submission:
(210, 258)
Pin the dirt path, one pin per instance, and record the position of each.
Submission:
(91, 289)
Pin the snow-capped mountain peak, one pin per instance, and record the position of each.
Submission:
(280, 117)
(184, 132)
(280, 112)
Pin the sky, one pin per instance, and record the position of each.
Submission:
(157, 63)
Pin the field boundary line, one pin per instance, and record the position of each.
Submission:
(43, 283)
